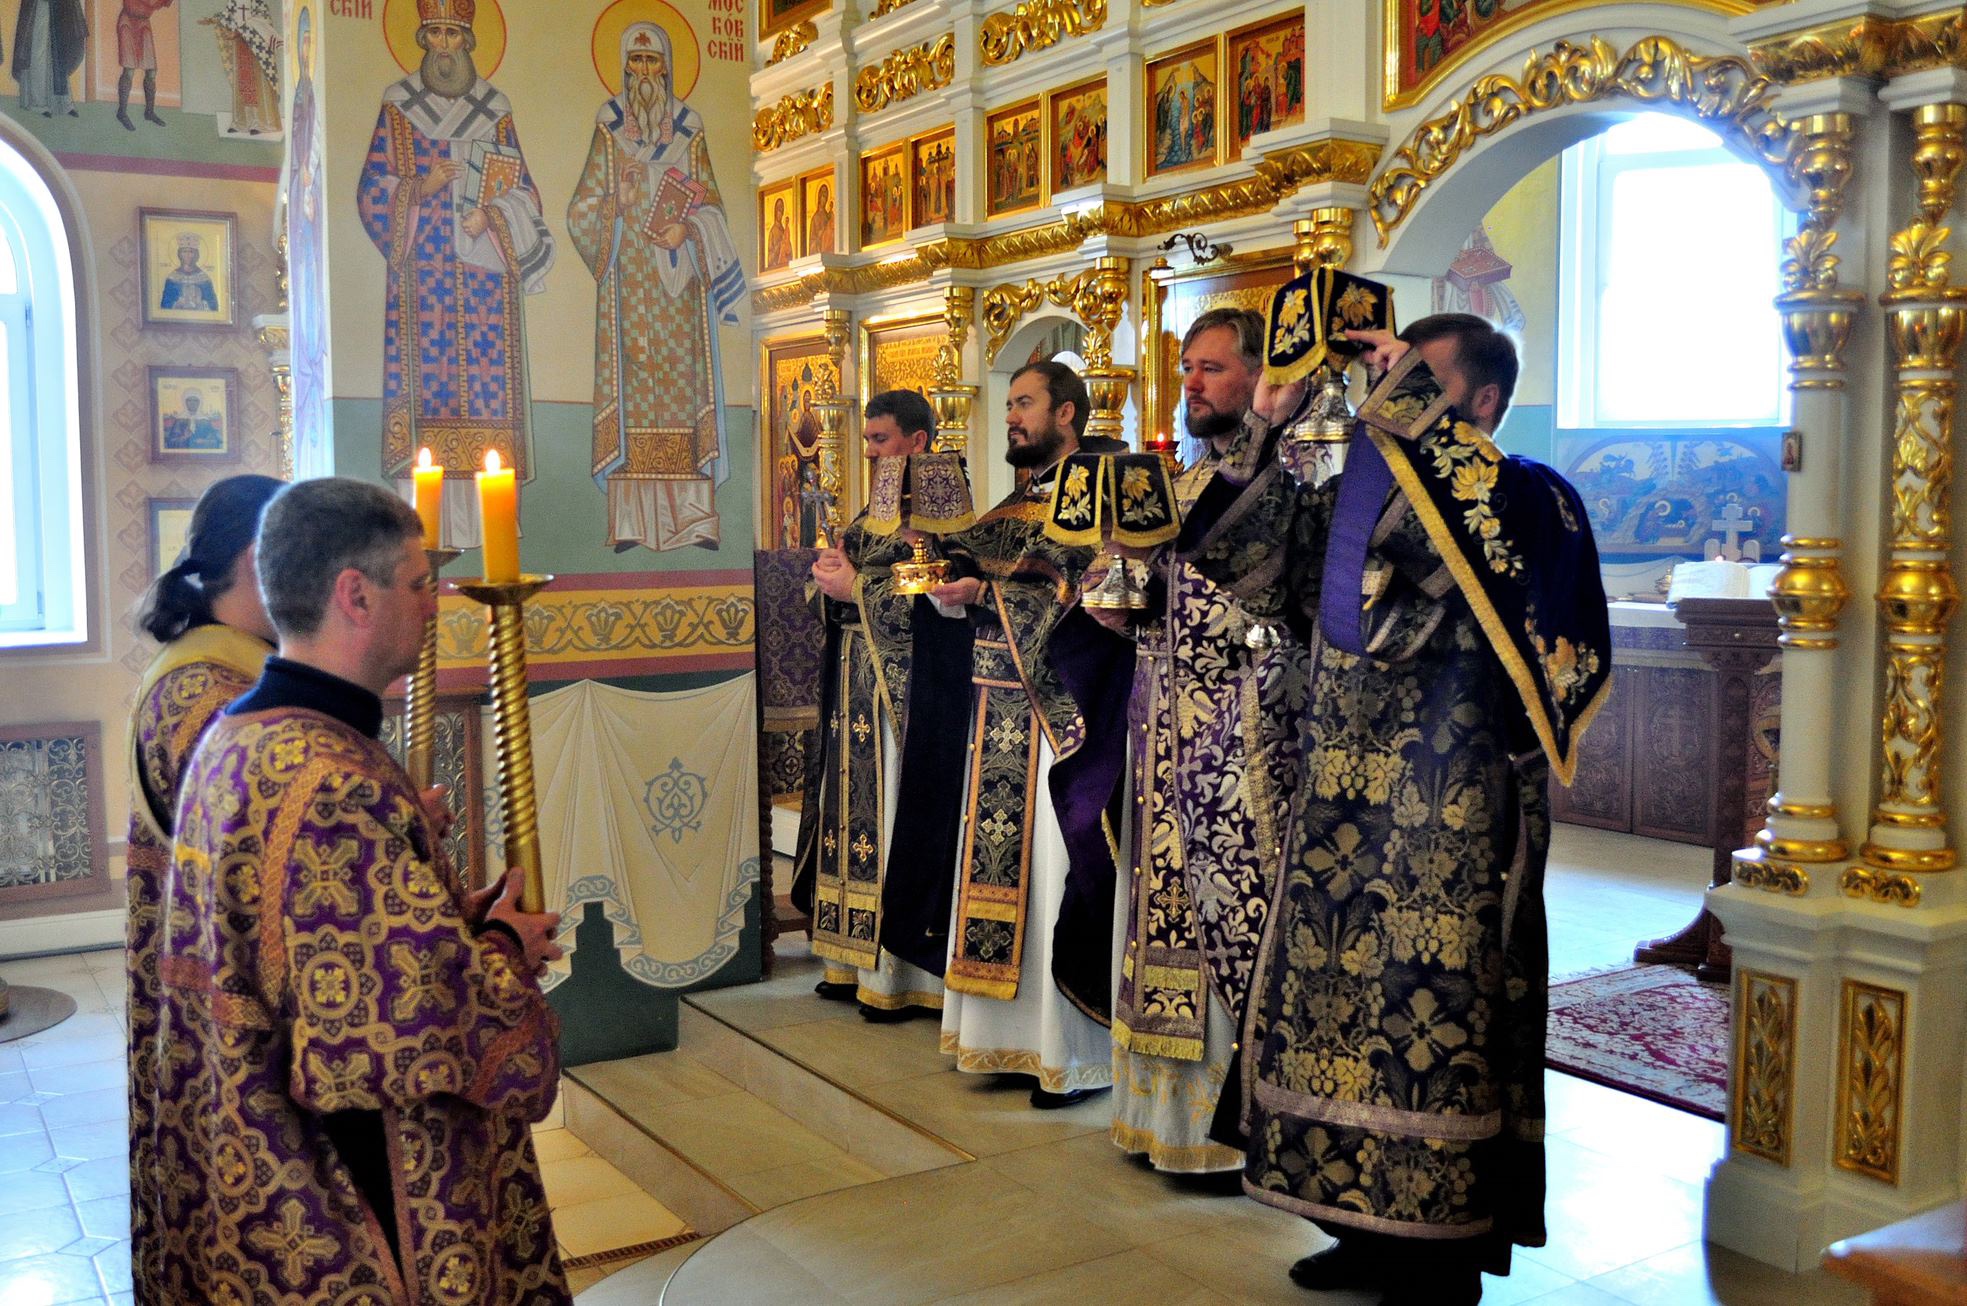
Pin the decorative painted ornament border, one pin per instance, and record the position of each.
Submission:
(613, 625)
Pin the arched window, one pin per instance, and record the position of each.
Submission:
(1668, 277)
(42, 594)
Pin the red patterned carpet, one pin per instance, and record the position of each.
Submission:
(1651, 1030)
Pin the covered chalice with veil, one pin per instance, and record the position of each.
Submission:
(927, 494)
(1114, 499)
(1304, 343)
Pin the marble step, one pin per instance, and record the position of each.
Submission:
(727, 1125)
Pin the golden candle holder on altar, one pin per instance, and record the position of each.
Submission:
(420, 692)
(929, 495)
(512, 725)
(1123, 499)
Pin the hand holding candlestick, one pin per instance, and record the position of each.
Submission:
(505, 590)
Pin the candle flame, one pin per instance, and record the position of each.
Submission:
(492, 463)
(423, 457)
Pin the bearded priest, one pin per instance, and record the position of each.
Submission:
(1028, 989)
(1393, 1051)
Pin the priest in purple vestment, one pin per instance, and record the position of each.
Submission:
(351, 1047)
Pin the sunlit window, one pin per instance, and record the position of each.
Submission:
(41, 569)
(1670, 258)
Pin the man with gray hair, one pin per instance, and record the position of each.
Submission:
(649, 223)
(1212, 725)
(350, 1045)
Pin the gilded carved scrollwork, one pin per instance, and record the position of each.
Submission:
(791, 41)
(1097, 296)
(1765, 1065)
(906, 73)
(1867, 46)
(1035, 25)
(1003, 308)
(1870, 1080)
(1887, 887)
(1773, 877)
(801, 113)
(1724, 92)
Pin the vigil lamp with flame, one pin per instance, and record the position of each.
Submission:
(928, 494)
(1123, 499)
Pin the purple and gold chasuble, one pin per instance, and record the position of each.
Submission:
(313, 960)
(840, 856)
(1393, 1046)
(454, 351)
(1042, 670)
(190, 681)
(1213, 738)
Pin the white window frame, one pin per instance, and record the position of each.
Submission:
(1585, 179)
(51, 608)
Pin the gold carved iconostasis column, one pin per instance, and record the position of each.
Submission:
(1851, 952)
(1918, 596)
(1802, 828)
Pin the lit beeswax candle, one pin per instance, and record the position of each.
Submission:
(428, 495)
(498, 511)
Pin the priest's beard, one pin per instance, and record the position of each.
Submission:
(1207, 422)
(649, 107)
(1039, 449)
(449, 73)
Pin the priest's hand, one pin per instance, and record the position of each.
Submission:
(958, 593)
(436, 810)
(834, 575)
(1382, 349)
(534, 930)
(672, 236)
(1274, 404)
(475, 222)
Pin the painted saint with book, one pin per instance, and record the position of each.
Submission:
(447, 198)
(649, 223)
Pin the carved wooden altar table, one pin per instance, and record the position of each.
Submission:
(1737, 639)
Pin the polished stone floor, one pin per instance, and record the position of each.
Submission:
(1049, 1211)
(835, 1161)
(65, 1179)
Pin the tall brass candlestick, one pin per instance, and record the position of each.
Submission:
(512, 726)
(420, 694)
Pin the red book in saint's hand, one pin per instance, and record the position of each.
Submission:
(677, 197)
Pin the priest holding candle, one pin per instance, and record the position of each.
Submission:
(405, 1178)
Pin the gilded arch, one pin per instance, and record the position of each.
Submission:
(1723, 92)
